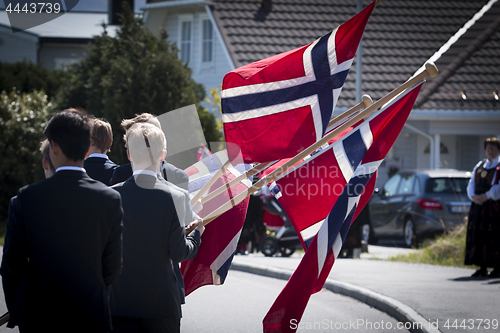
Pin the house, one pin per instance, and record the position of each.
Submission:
(455, 111)
(63, 39)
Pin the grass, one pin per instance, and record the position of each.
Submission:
(445, 250)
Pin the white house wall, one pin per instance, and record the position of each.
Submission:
(208, 76)
(17, 47)
(469, 151)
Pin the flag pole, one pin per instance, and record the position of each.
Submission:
(4, 318)
(247, 174)
(366, 101)
(211, 181)
(430, 70)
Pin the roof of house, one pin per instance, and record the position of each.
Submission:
(401, 35)
(71, 25)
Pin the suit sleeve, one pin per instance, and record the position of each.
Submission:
(112, 255)
(175, 175)
(14, 268)
(181, 247)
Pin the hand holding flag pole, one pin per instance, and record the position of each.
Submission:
(430, 70)
(212, 180)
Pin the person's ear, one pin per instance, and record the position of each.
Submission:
(45, 163)
(55, 150)
(88, 152)
(163, 155)
(128, 155)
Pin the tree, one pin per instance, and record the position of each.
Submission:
(132, 73)
(23, 117)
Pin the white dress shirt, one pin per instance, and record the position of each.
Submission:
(494, 192)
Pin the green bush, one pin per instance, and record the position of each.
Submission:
(23, 117)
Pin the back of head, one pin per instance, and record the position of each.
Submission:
(71, 130)
(146, 144)
(102, 135)
(141, 118)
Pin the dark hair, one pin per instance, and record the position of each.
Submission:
(492, 141)
(70, 129)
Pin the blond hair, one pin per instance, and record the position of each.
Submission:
(146, 143)
(140, 118)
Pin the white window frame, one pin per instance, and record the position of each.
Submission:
(210, 63)
(183, 19)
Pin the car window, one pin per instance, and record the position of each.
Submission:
(446, 185)
(406, 184)
(416, 187)
(391, 186)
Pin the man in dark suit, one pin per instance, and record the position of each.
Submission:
(97, 165)
(60, 256)
(169, 172)
(146, 298)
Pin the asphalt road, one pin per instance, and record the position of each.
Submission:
(242, 302)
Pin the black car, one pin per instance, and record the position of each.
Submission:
(416, 203)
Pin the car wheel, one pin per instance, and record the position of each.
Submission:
(287, 251)
(268, 246)
(409, 236)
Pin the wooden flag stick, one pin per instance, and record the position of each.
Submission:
(210, 183)
(430, 70)
(4, 318)
(247, 174)
(366, 102)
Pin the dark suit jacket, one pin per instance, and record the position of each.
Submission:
(100, 169)
(152, 239)
(64, 242)
(170, 172)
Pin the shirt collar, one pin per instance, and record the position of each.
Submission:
(73, 168)
(492, 164)
(144, 172)
(98, 155)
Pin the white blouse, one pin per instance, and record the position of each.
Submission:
(494, 192)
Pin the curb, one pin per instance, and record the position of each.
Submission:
(414, 322)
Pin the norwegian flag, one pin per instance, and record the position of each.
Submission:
(203, 152)
(356, 157)
(289, 97)
(219, 241)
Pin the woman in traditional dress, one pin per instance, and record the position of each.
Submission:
(483, 230)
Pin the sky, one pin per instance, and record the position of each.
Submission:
(89, 5)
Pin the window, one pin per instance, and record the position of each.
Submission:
(447, 185)
(207, 42)
(185, 41)
(391, 186)
(406, 185)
